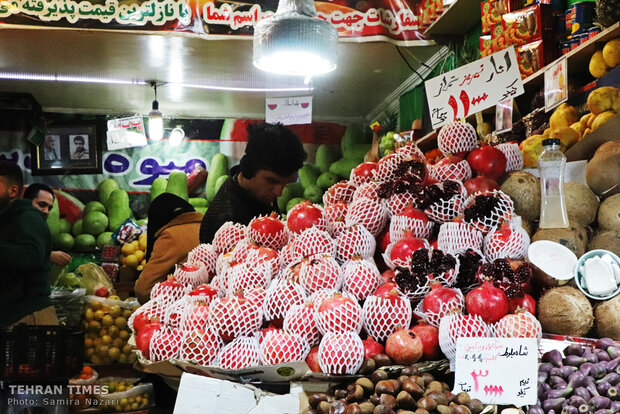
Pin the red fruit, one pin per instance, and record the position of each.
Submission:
(313, 359)
(279, 347)
(355, 241)
(388, 276)
(205, 291)
(143, 338)
(280, 297)
(234, 316)
(102, 292)
(404, 248)
(525, 302)
(440, 301)
(267, 231)
(228, 236)
(363, 172)
(488, 161)
(480, 183)
(388, 290)
(404, 347)
(170, 289)
(518, 325)
(383, 239)
(447, 161)
(141, 319)
(201, 345)
(262, 253)
(263, 332)
(341, 191)
(429, 335)
(385, 314)
(414, 213)
(372, 347)
(341, 353)
(196, 318)
(303, 216)
(360, 278)
(487, 301)
(300, 320)
(339, 314)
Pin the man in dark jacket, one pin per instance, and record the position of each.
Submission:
(25, 245)
(272, 157)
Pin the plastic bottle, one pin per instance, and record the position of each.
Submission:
(551, 167)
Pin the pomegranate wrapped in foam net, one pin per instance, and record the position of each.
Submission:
(173, 313)
(386, 167)
(411, 151)
(279, 346)
(305, 215)
(227, 236)
(395, 260)
(313, 241)
(242, 352)
(268, 231)
(281, 295)
(168, 291)
(521, 324)
(355, 241)
(458, 236)
(201, 346)
(341, 191)
(165, 344)
(370, 213)
(510, 240)
(341, 353)
(361, 277)
(362, 173)
(368, 190)
(244, 277)
(194, 315)
(220, 282)
(192, 274)
(264, 256)
(460, 171)
(446, 307)
(419, 228)
(240, 252)
(234, 316)
(339, 314)
(205, 254)
(398, 201)
(256, 296)
(457, 137)
(447, 201)
(486, 210)
(152, 310)
(514, 157)
(320, 272)
(456, 325)
(287, 254)
(300, 320)
(385, 315)
(335, 217)
(321, 295)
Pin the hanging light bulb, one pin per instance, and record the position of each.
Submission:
(176, 136)
(294, 41)
(156, 119)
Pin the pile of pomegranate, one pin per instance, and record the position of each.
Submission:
(403, 258)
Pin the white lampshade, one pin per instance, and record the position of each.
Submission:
(156, 123)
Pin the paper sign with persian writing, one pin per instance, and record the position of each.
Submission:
(126, 133)
(473, 87)
(289, 111)
(498, 370)
(556, 85)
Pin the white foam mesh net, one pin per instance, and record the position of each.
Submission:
(418, 228)
(514, 157)
(206, 298)
(234, 316)
(456, 237)
(242, 352)
(298, 209)
(174, 311)
(456, 325)
(194, 315)
(361, 277)
(434, 315)
(445, 210)
(460, 171)
(502, 211)
(165, 344)
(256, 296)
(320, 272)
(457, 137)
(368, 190)
(223, 263)
(192, 274)
(313, 241)
(514, 245)
(321, 295)
(287, 254)
(394, 262)
(275, 241)
(344, 317)
(341, 353)
(383, 316)
(386, 167)
(204, 253)
(240, 252)
(279, 346)
(411, 151)
(291, 272)
(335, 228)
(300, 320)
(416, 292)
(355, 241)
(201, 346)
(369, 213)
(166, 293)
(357, 179)
(245, 277)
(227, 236)
(398, 201)
(151, 309)
(281, 295)
(341, 191)
(334, 215)
(256, 257)
(518, 325)
(220, 282)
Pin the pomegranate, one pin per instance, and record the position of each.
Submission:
(488, 161)
(402, 250)
(201, 345)
(360, 278)
(313, 359)
(263, 332)
(372, 347)
(341, 353)
(339, 314)
(383, 239)
(404, 347)
(388, 290)
(429, 335)
(170, 289)
(303, 216)
(143, 338)
(279, 346)
(341, 191)
(234, 316)
(518, 325)
(480, 183)
(300, 320)
(141, 319)
(440, 301)
(267, 231)
(280, 296)
(487, 301)
(388, 276)
(363, 172)
(450, 167)
(525, 302)
(195, 317)
(205, 291)
(414, 213)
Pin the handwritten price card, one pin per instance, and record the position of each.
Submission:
(126, 133)
(498, 370)
(556, 85)
(289, 111)
(473, 87)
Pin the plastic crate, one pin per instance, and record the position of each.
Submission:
(40, 353)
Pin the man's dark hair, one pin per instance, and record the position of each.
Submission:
(32, 191)
(79, 138)
(12, 173)
(272, 147)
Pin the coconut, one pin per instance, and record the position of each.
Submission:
(603, 170)
(581, 202)
(609, 213)
(606, 240)
(566, 311)
(524, 190)
(607, 316)
(575, 237)
(529, 227)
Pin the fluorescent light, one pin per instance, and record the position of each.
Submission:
(156, 119)
(243, 89)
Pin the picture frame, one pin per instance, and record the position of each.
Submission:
(74, 148)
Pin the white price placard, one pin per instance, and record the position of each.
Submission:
(498, 370)
(473, 87)
(126, 133)
(556, 84)
(289, 111)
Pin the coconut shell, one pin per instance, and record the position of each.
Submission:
(581, 202)
(575, 237)
(607, 316)
(603, 170)
(566, 311)
(529, 227)
(524, 190)
(606, 240)
(609, 213)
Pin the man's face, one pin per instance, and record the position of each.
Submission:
(267, 186)
(49, 142)
(79, 145)
(43, 202)
(8, 192)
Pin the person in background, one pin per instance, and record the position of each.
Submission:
(49, 150)
(25, 246)
(42, 197)
(171, 234)
(80, 152)
(272, 157)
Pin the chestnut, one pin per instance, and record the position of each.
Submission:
(413, 388)
(366, 384)
(382, 360)
(410, 370)
(439, 398)
(428, 378)
(340, 394)
(475, 406)
(352, 409)
(368, 366)
(355, 393)
(461, 409)
(367, 407)
(427, 403)
(388, 400)
(386, 387)
(405, 400)
(383, 409)
(337, 407)
(462, 398)
(444, 409)
(378, 375)
(434, 386)
(316, 398)
(323, 407)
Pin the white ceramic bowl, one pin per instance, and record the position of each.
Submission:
(579, 277)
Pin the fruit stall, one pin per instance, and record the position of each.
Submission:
(409, 268)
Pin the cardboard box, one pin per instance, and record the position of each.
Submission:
(491, 12)
(486, 46)
(524, 26)
(534, 56)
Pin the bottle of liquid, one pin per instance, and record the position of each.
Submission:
(551, 168)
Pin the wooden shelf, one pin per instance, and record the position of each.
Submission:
(456, 20)
(428, 141)
(578, 59)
